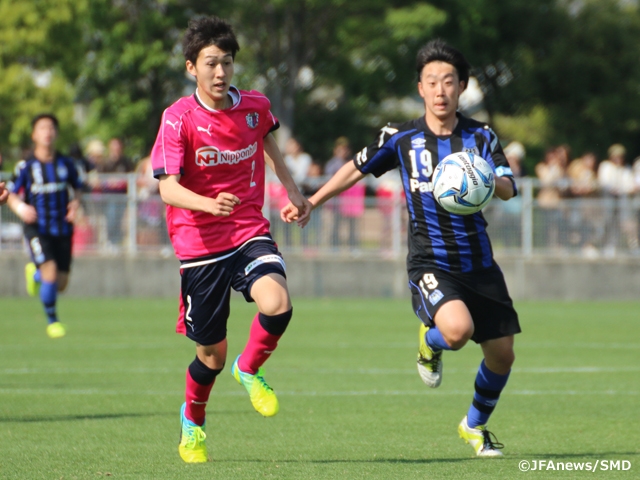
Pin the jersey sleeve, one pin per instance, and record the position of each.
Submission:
(494, 155)
(380, 156)
(167, 154)
(74, 177)
(18, 181)
(272, 123)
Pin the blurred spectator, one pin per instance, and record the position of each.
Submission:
(297, 161)
(583, 176)
(114, 202)
(616, 181)
(341, 155)
(388, 192)
(553, 179)
(585, 216)
(515, 153)
(83, 165)
(614, 177)
(117, 161)
(311, 184)
(636, 174)
(349, 206)
(150, 207)
(507, 221)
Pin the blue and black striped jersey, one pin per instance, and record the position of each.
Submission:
(45, 186)
(437, 238)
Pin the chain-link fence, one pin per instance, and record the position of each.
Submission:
(133, 222)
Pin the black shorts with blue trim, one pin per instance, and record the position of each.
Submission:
(484, 292)
(43, 248)
(207, 282)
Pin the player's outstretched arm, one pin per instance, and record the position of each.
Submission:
(4, 194)
(27, 213)
(298, 205)
(174, 194)
(346, 177)
(504, 188)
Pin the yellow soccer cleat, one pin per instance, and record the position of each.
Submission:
(56, 330)
(33, 287)
(429, 363)
(482, 440)
(192, 447)
(262, 397)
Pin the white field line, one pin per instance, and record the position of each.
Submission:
(313, 371)
(328, 345)
(293, 393)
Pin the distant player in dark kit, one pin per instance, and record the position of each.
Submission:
(44, 180)
(458, 290)
(210, 157)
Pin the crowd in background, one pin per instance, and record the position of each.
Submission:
(596, 227)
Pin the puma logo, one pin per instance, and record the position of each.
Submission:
(174, 125)
(207, 130)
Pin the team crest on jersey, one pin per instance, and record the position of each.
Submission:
(62, 172)
(435, 296)
(252, 119)
(473, 150)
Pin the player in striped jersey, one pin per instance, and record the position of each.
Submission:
(458, 290)
(44, 179)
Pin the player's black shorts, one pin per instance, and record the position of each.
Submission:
(207, 282)
(48, 247)
(484, 293)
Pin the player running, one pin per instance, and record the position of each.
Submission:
(210, 159)
(48, 212)
(458, 290)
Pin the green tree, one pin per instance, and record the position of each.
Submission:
(36, 74)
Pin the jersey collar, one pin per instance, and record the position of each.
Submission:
(234, 93)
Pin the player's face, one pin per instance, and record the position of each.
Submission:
(440, 88)
(213, 71)
(44, 133)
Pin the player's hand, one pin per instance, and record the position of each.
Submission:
(4, 194)
(223, 204)
(298, 209)
(27, 213)
(72, 211)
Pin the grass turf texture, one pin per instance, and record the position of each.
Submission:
(104, 401)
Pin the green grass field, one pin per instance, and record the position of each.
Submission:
(104, 401)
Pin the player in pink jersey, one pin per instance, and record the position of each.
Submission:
(210, 157)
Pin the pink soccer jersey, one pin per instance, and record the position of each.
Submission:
(215, 151)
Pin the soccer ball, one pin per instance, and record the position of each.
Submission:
(463, 183)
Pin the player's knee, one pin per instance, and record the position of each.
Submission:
(275, 324)
(276, 305)
(507, 359)
(202, 373)
(62, 284)
(458, 338)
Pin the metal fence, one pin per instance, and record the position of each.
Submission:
(133, 223)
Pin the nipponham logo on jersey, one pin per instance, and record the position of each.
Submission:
(212, 156)
(252, 119)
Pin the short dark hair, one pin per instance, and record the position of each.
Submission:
(206, 31)
(440, 51)
(40, 116)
